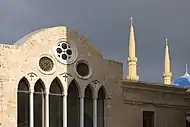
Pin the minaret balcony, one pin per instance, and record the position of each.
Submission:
(133, 78)
(167, 74)
(132, 59)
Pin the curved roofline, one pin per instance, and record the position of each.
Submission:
(23, 39)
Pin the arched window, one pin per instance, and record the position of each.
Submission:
(73, 106)
(39, 104)
(100, 114)
(56, 104)
(23, 104)
(88, 107)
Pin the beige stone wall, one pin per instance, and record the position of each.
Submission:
(21, 59)
(170, 107)
(164, 117)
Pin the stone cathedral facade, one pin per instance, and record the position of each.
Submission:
(54, 77)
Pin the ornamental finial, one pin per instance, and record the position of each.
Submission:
(186, 70)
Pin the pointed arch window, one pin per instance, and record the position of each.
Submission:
(56, 104)
(73, 105)
(101, 106)
(88, 107)
(39, 104)
(23, 103)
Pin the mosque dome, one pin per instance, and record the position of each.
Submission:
(183, 80)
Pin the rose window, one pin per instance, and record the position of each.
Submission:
(65, 52)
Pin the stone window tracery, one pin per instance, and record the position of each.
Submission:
(65, 52)
(46, 64)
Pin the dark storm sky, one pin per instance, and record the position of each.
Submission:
(106, 24)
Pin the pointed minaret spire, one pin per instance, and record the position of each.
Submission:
(132, 59)
(186, 71)
(131, 20)
(167, 75)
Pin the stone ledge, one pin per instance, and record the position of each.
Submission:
(134, 102)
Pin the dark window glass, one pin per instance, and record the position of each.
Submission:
(88, 108)
(23, 104)
(82, 69)
(100, 114)
(148, 119)
(73, 106)
(56, 104)
(39, 104)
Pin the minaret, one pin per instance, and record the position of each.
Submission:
(132, 59)
(186, 71)
(167, 75)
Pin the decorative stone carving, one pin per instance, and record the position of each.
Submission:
(66, 77)
(95, 83)
(31, 75)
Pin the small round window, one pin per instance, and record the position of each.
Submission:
(82, 69)
(46, 64)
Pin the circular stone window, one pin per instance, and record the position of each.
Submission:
(46, 65)
(83, 70)
(65, 52)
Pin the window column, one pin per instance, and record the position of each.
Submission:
(47, 108)
(82, 109)
(31, 107)
(95, 111)
(65, 110)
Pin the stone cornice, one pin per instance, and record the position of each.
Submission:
(157, 104)
(152, 87)
(125, 88)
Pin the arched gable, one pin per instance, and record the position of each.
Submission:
(26, 37)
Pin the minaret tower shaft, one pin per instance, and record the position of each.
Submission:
(167, 75)
(132, 59)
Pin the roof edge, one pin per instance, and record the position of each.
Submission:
(154, 86)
